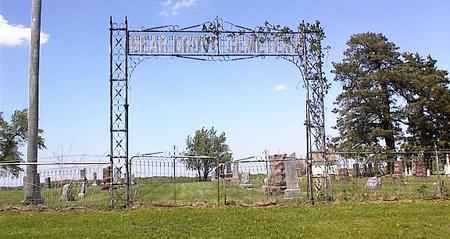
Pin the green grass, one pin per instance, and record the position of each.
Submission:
(385, 220)
(187, 191)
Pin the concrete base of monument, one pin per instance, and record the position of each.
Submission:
(291, 193)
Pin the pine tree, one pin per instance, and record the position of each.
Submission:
(425, 89)
(367, 109)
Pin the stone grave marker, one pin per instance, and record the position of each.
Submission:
(373, 183)
(82, 192)
(290, 169)
(419, 166)
(67, 193)
(83, 174)
(276, 181)
(447, 165)
(94, 179)
(355, 170)
(48, 182)
(245, 180)
(398, 168)
(107, 177)
(235, 171)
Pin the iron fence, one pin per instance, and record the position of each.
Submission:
(276, 179)
(61, 185)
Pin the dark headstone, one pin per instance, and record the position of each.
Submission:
(355, 170)
(48, 182)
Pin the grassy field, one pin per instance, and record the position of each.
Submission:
(424, 219)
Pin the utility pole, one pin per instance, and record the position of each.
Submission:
(31, 180)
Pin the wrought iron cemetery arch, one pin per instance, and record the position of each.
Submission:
(215, 40)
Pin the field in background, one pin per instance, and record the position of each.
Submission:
(356, 220)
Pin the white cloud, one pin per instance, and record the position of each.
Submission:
(172, 7)
(280, 87)
(15, 35)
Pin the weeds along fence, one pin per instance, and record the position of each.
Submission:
(61, 185)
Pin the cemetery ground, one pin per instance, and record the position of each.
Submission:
(167, 192)
(418, 219)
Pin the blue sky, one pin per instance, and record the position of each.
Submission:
(171, 98)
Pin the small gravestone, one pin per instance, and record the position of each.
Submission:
(373, 183)
(355, 170)
(343, 174)
(94, 179)
(82, 192)
(290, 170)
(132, 179)
(228, 171)
(398, 168)
(235, 171)
(67, 193)
(83, 174)
(419, 168)
(245, 180)
(107, 177)
(48, 182)
(447, 166)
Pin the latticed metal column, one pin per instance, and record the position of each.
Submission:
(119, 113)
(317, 87)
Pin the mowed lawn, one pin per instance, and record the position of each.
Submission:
(423, 219)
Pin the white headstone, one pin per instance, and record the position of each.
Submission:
(235, 172)
(67, 193)
(94, 179)
(447, 166)
(373, 183)
(290, 170)
(82, 190)
(245, 180)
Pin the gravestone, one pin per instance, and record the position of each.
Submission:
(67, 193)
(419, 166)
(343, 174)
(82, 192)
(290, 169)
(447, 165)
(83, 174)
(235, 171)
(94, 179)
(228, 171)
(245, 180)
(355, 170)
(48, 182)
(276, 181)
(398, 168)
(373, 183)
(107, 177)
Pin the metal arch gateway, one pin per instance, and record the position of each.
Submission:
(215, 40)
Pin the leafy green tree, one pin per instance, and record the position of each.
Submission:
(424, 87)
(368, 115)
(13, 135)
(206, 142)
